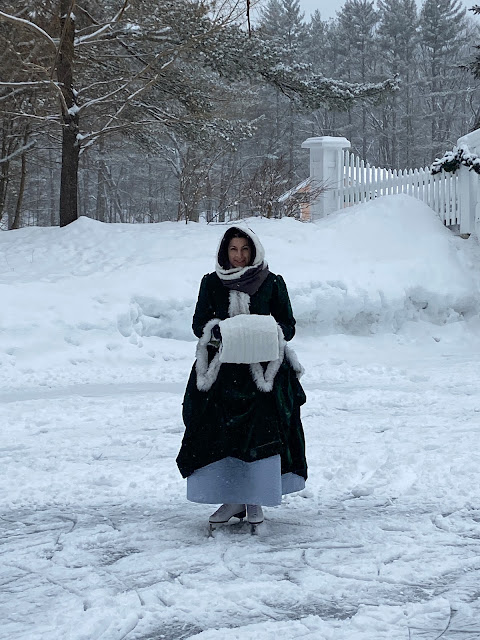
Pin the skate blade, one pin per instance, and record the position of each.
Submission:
(256, 528)
(214, 526)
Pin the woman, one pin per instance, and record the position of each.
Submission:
(243, 444)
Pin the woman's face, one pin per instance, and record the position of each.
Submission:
(239, 252)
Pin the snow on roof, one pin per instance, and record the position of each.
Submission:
(293, 190)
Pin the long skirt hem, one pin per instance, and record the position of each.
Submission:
(234, 481)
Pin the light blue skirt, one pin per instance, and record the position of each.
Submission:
(234, 481)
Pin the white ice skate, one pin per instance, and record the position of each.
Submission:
(224, 513)
(254, 516)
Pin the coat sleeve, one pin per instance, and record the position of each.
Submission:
(281, 309)
(204, 310)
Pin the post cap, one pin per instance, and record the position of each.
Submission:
(327, 141)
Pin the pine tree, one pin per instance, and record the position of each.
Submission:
(475, 64)
(356, 29)
(443, 29)
(398, 46)
(321, 52)
(282, 25)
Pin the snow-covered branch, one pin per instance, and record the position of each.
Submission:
(30, 116)
(92, 137)
(12, 94)
(125, 85)
(99, 32)
(18, 152)
(39, 84)
(28, 25)
(131, 97)
(160, 114)
(25, 85)
(89, 87)
(94, 101)
(227, 12)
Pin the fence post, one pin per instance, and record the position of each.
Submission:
(467, 211)
(469, 185)
(326, 169)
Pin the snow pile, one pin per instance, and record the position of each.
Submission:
(382, 264)
(95, 293)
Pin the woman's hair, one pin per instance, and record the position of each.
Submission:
(234, 232)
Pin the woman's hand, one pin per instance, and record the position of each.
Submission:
(215, 337)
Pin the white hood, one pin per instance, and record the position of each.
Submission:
(236, 272)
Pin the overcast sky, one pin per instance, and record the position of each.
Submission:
(327, 8)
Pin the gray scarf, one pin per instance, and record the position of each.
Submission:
(249, 281)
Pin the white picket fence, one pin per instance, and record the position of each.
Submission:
(348, 181)
(364, 182)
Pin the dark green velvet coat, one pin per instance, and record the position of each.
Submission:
(234, 418)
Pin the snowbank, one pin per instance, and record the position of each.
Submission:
(380, 265)
(124, 294)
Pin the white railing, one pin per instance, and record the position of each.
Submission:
(364, 182)
(348, 180)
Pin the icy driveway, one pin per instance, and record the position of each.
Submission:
(98, 541)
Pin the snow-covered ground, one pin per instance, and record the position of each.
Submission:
(97, 539)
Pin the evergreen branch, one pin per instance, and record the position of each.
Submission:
(93, 137)
(130, 98)
(451, 161)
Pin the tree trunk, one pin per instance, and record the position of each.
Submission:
(4, 180)
(209, 200)
(70, 146)
(69, 175)
(5, 166)
(52, 188)
(101, 205)
(409, 126)
(21, 190)
(291, 143)
(151, 209)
